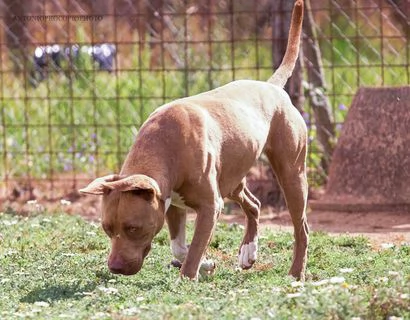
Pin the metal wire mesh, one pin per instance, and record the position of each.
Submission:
(107, 65)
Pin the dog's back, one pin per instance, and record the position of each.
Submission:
(230, 119)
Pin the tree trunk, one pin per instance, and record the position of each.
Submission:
(316, 86)
(154, 16)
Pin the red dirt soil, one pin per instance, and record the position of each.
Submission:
(379, 227)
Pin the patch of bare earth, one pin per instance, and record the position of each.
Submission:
(379, 227)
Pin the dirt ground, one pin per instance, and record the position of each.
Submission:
(382, 228)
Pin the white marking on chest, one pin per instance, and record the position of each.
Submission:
(167, 204)
(176, 200)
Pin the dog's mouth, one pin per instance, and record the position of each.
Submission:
(129, 267)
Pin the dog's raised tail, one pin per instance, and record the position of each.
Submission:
(283, 73)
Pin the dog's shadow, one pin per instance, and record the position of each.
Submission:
(57, 292)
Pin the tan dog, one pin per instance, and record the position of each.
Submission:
(196, 151)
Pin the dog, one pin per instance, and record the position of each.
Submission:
(196, 151)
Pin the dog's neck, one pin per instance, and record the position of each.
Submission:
(158, 169)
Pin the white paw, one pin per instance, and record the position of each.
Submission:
(248, 254)
(179, 250)
(207, 267)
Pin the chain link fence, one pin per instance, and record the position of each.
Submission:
(78, 78)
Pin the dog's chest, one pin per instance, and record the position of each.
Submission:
(176, 200)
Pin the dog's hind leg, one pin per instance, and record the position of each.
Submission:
(251, 206)
(291, 175)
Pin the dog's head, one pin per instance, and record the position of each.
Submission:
(132, 214)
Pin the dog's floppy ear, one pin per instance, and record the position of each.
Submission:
(98, 186)
(138, 183)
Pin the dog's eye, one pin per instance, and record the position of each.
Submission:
(132, 229)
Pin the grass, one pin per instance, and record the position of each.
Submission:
(53, 267)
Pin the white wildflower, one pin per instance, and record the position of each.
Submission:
(346, 270)
(320, 283)
(383, 279)
(335, 280)
(20, 314)
(293, 295)
(94, 225)
(10, 252)
(66, 315)
(65, 202)
(32, 312)
(108, 290)
(130, 311)
(68, 254)
(296, 284)
(35, 205)
(41, 304)
(386, 246)
(9, 222)
(100, 315)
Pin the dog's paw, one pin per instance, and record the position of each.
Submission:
(248, 254)
(207, 267)
(176, 264)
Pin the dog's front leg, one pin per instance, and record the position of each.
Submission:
(176, 220)
(204, 226)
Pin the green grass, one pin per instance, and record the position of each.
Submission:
(53, 267)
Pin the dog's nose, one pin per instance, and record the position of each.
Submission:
(116, 265)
